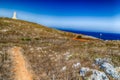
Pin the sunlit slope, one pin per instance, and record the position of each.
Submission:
(12, 30)
(48, 51)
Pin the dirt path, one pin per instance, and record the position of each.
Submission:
(19, 65)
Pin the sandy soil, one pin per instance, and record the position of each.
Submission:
(19, 65)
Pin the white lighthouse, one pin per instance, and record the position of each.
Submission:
(14, 16)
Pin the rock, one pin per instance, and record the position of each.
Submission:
(77, 65)
(98, 75)
(83, 71)
(107, 67)
(99, 61)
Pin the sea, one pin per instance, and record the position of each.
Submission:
(100, 35)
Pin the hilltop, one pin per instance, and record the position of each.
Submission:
(50, 54)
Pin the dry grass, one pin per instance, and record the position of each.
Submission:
(46, 50)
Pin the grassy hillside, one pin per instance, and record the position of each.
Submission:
(48, 50)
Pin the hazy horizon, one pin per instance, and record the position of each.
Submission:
(86, 15)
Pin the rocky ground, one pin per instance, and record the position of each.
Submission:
(50, 54)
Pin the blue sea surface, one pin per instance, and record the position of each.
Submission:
(101, 35)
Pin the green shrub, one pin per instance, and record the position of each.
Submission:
(26, 39)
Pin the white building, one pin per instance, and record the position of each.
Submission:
(14, 16)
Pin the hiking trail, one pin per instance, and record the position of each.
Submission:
(19, 64)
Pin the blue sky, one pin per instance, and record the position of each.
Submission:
(86, 15)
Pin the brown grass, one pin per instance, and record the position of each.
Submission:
(45, 50)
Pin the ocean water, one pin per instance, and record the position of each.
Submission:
(101, 35)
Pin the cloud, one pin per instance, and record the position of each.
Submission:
(102, 24)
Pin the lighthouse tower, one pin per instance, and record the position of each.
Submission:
(14, 15)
